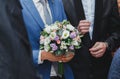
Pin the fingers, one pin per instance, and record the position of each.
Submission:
(98, 49)
(54, 58)
(97, 54)
(43, 55)
(84, 23)
(49, 56)
(83, 26)
(67, 58)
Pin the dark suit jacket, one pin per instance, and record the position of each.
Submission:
(106, 29)
(15, 51)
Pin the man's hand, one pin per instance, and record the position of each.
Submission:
(49, 56)
(98, 49)
(83, 26)
(67, 58)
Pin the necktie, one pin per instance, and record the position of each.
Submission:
(48, 19)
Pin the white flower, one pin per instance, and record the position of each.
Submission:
(52, 35)
(54, 27)
(42, 39)
(60, 36)
(65, 34)
(75, 43)
(46, 48)
(70, 27)
(47, 29)
(64, 27)
(63, 45)
(78, 39)
(47, 41)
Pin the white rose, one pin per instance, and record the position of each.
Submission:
(47, 41)
(54, 27)
(46, 48)
(63, 45)
(70, 27)
(42, 39)
(75, 43)
(47, 29)
(65, 34)
(52, 35)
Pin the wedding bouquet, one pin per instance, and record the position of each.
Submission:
(60, 38)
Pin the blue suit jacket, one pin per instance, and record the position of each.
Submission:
(35, 25)
(114, 72)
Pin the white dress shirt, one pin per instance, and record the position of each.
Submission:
(39, 8)
(89, 10)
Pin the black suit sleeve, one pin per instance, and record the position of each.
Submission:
(114, 23)
(15, 51)
(6, 64)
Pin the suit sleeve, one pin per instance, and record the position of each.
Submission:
(114, 39)
(115, 66)
(7, 64)
(37, 57)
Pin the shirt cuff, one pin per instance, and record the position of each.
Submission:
(39, 58)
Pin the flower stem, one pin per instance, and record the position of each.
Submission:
(60, 68)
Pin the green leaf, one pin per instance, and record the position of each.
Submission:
(58, 53)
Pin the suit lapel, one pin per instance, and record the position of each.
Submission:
(81, 16)
(79, 10)
(51, 5)
(34, 13)
(98, 18)
(70, 11)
